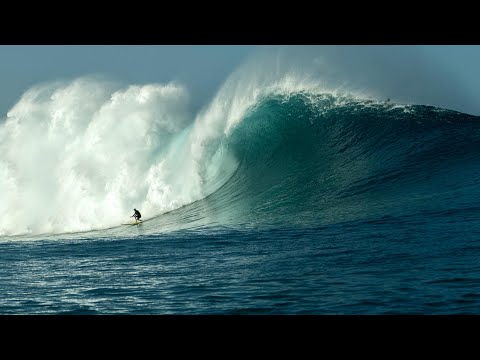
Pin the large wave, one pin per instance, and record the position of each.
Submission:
(272, 146)
(316, 159)
(80, 155)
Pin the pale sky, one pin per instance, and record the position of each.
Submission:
(202, 68)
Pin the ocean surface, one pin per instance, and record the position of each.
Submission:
(286, 201)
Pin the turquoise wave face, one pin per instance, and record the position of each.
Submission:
(319, 159)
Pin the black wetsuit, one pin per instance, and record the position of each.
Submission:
(137, 215)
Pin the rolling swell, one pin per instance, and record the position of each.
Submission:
(317, 159)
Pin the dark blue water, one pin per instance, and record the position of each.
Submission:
(357, 208)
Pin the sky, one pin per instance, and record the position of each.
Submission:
(202, 68)
(462, 60)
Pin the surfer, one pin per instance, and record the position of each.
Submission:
(136, 215)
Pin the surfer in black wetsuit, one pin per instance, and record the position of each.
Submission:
(136, 215)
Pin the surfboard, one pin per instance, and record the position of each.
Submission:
(134, 223)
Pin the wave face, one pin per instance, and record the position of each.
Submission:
(80, 156)
(310, 159)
